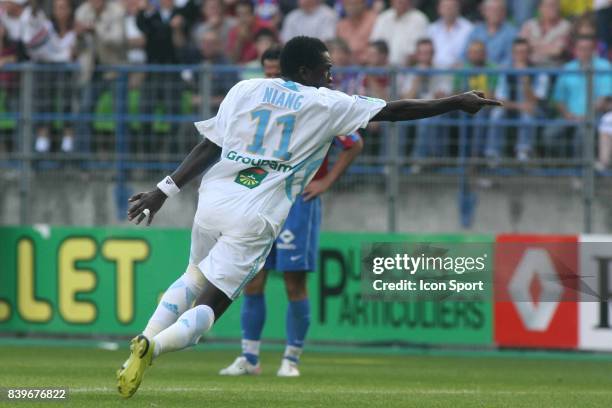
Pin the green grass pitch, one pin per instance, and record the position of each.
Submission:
(189, 379)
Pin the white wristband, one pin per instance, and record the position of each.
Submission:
(168, 187)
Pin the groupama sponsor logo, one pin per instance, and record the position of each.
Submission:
(272, 164)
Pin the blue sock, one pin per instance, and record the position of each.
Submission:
(298, 321)
(252, 319)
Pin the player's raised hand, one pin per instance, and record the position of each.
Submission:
(145, 204)
(473, 101)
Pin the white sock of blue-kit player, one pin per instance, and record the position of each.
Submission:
(293, 353)
(175, 301)
(186, 332)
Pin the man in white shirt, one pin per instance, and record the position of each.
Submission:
(312, 19)
(400, 27)
(449, 34)
(10, 14)
(268, 140)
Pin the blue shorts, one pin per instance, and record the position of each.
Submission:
(297, 245)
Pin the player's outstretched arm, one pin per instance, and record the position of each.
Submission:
(197, 161)
(410, 109)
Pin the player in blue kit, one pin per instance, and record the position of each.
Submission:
(267, 141)
(294, 253)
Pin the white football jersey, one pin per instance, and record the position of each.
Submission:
(274, 135)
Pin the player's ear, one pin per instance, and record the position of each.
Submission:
(303, 73)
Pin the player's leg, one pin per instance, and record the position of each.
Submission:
(229, 265)
(253, 317)
(297, 251)
(185, 330)
(194, 322)
(177, 299)
(183, 292)
(252, 320)
(297, 322)
(176, 304)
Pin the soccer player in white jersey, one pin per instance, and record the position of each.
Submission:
(272, 135)
(294, 254)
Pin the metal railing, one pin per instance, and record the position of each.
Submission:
(135, 122)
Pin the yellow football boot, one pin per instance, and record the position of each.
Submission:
(129, 376)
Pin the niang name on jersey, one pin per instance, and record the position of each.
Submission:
(288, 100)
(272, 164)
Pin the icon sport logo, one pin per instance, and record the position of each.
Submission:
(251, 177)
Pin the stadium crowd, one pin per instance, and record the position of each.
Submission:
(442, 34)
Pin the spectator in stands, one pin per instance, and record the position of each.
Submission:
(270, 61)
(312, 18)
(449, 34)
(62, 18)
(521, 94)
(63, 23)
(45, 45)
(211, 51)
(522, 10)
(100, 35)
(136, 40)
(164, 31)
(213, 18)
(241, 39)
(9, 97)
(10, 13)
(8, 54)
(603, 15)
(264, 40)
(351, 82)
(99, 26)
(547, 34)
(605, 137)
(136, 55)
(355, 29)
(429, 139)
(495, 32)
(584, 26)
(400, 27)
(570, 93)
(480, 138)
(376, 85)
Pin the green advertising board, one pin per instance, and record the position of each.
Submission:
(107, 281)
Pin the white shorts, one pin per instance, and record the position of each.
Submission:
(229, 262)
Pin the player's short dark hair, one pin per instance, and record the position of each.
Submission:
(381, 46)
(246, 3)
(271, 54)
(299, 52)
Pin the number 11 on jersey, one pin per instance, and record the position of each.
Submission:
(262, 117)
